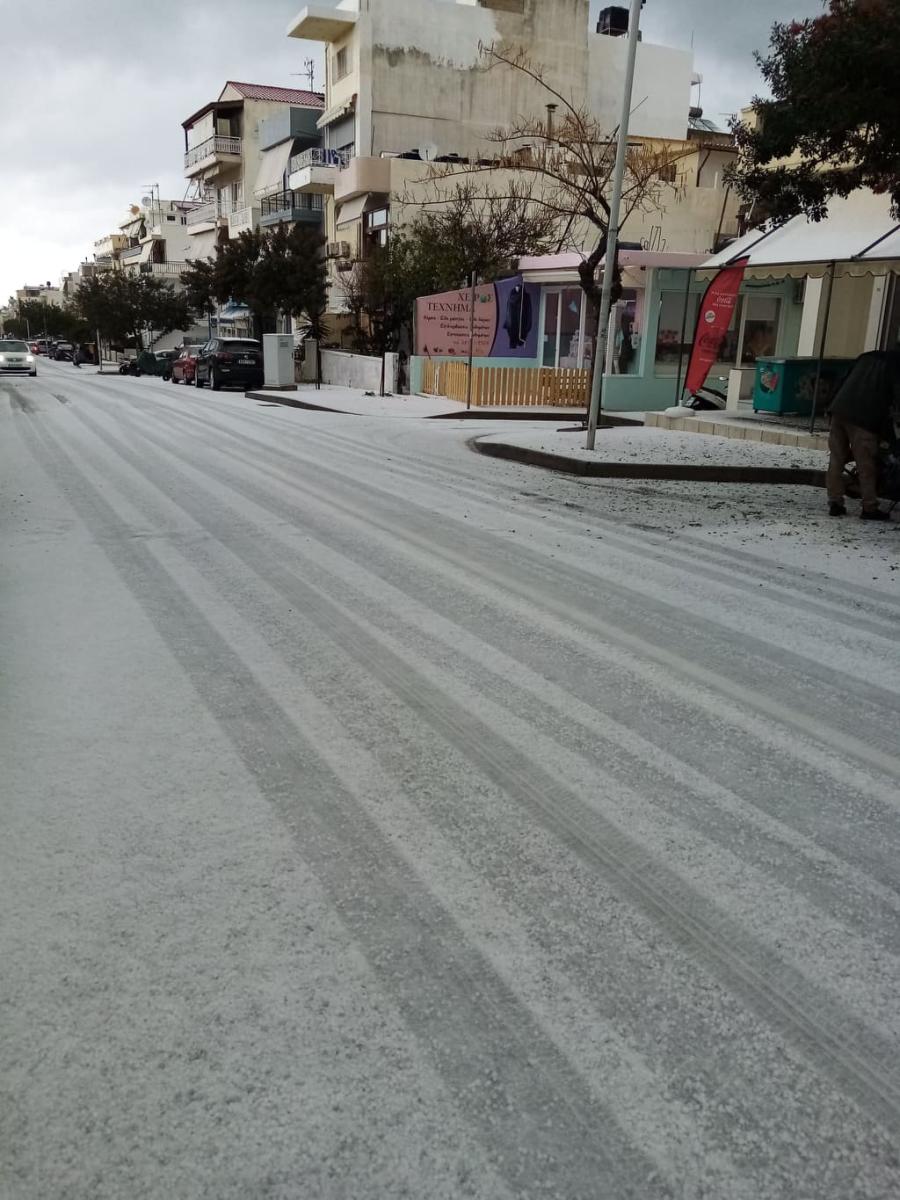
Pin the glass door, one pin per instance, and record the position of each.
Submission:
(563, 328)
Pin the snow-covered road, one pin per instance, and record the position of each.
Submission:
(382, 820)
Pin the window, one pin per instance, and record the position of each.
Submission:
(566, 342)
(760, 333)
(341, 63)
(668, 173)
(669, 346)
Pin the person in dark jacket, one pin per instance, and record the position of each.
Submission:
(862, 415)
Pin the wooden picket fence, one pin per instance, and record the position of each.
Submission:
(507, 387)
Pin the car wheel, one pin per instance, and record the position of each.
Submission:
(214, 381)
(198, 382)
(173, 379)
(32, 374)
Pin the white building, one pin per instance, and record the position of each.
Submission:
(406, 82)
(237, 150)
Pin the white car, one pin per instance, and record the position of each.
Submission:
(15, 356)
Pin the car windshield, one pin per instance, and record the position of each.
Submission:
(13, 347)
(236, 345)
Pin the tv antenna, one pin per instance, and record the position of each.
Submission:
(309, 70)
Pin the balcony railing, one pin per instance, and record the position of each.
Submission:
(211, 147)
(131, 252)
(319, 157)
(164, 268)
(240, 219)
(204, 214)
(283, 203)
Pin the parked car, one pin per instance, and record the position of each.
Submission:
(185, 365)
(63, 352)
(129, 366)
(16, 356)
(165, 359)
(229, 360)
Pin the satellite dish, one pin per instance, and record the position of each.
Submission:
(428, 152)
(146, 201)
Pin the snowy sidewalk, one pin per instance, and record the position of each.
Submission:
(657, 453)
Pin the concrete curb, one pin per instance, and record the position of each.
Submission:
(621, 470)
(475, 414)
(290, 402)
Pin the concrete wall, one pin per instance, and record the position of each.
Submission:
(415, 71)
(350, 370)
(662, 87)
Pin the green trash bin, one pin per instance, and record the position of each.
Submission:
(785, 385)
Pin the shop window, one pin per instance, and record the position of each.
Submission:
(760, 334)
(669, 344)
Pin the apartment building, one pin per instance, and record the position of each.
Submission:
(237, 150)
(44, 293)
(406, 86)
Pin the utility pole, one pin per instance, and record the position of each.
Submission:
(615, 211)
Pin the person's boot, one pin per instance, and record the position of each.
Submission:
(836, 509)
(874, 514)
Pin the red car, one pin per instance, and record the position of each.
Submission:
(184, 368)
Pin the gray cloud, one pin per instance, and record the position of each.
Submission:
(95, 92)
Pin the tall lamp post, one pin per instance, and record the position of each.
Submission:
(615, 209)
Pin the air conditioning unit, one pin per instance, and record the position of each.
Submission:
(344, 264)
(337, 250)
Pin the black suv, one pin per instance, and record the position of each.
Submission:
(230, 360)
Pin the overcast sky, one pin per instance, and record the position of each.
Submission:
(93, 93)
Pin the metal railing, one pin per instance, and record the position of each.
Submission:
(130, 252)
(285, 202)
(212, 146)
(319, 157)
(164, 268)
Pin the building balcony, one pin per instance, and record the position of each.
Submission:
(316, 23)
(131, 252)
(172, 269)
(243, 220)
(361, 176)
(315, 170)
(205, 216)
(214, 152)
(111, 244)
(290, 206)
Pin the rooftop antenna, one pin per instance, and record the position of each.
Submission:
(309, 70)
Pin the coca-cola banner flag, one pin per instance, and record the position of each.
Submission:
(716, 311)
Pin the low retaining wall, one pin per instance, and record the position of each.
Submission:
(350, 370)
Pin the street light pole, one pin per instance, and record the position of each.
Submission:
(612, 241)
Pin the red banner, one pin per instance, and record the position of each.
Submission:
(716, 311)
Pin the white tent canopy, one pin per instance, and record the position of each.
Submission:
(859, 232)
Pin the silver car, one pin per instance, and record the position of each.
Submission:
(15, 356)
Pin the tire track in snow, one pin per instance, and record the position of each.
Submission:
(827, 822)
(542, 1127)
(522, 566)
(847, 1053)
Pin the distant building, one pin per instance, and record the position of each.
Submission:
(237, 153)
